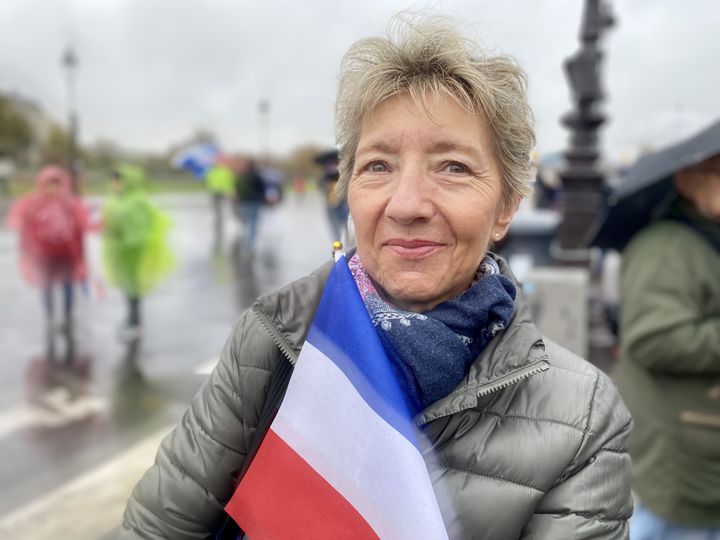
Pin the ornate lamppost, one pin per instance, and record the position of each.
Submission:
(69, 62)
(582, 179)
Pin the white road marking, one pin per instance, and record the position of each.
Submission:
(57, 408)
(54, 409)
(89, 506)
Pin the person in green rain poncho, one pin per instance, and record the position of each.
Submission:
(136, 254)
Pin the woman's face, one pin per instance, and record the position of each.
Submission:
(426, 200)
(53, 187)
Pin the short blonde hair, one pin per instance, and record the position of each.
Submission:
(424, 56)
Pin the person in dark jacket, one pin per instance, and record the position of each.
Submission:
(669, 371)
(336, 207)
(524, 439)
(249, 200)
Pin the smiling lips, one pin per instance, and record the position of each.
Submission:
(412, 249)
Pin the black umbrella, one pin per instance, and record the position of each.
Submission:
(648, 189)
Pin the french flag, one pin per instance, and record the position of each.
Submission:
(341, 459)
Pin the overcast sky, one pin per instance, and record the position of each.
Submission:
(153, 71)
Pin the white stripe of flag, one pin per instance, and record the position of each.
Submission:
(341, 458)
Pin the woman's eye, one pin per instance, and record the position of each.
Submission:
(377, 167)
(456, 168)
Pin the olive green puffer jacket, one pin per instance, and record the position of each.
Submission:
(531, 445)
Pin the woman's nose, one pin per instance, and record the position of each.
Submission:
(411, 197)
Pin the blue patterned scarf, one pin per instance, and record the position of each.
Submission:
(431, 352)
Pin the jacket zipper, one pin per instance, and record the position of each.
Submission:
(281, 343)
(505, 381)
(514, 377)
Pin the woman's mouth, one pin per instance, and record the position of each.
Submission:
(412, 249)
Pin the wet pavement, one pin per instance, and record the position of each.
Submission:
(62, 415)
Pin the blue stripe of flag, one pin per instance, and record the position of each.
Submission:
(343, 331)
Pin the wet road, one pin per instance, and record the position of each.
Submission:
(58, 421)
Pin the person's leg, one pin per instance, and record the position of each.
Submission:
(241, 212)
(47, 299)
(46, 292)
(253, 216)
(133, 311)
(132, 330)
(138, 311)
(48, 305)
(46, 285)
(217, 200)
(67, 288)
(220, 201)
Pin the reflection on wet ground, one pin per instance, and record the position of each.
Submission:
(70, 400)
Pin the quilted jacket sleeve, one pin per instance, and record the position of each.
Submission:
(592, 499)
(183, 494)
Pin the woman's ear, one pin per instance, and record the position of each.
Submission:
(505, 214)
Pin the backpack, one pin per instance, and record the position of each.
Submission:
(52, 226)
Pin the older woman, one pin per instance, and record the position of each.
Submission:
(527, 439)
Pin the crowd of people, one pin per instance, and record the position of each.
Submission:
(250, 186)
(52, 223)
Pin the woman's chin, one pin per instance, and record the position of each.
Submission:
(413, 294)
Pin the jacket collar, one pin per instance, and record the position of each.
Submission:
(514, 354)
(289, 311)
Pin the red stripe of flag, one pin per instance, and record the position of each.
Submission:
(281, 498)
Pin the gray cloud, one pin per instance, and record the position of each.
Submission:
(151, 71)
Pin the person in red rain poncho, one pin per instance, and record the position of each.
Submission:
(52, 224)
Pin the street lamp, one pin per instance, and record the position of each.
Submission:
(264, 135)
(69, 62)
(582, 179)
